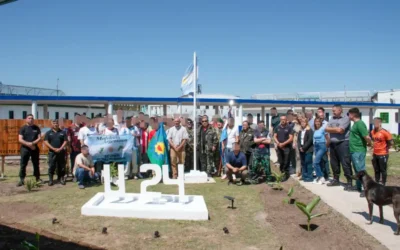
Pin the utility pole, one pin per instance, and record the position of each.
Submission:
(57, 85)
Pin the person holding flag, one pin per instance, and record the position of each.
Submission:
(157, 150)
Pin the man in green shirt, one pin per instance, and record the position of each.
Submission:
(359, 139)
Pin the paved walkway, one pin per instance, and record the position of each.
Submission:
(356, 210)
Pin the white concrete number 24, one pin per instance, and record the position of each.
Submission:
(166, 180)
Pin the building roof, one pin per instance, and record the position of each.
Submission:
(10, 99)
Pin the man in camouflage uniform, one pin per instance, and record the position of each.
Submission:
(246, 141)
(261, 154)
(189, 146)
(207, 143)
(218, 131)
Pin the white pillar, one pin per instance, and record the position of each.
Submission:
(180, 108)
(241, 114)
(262, 113)
(303, 110)
(216, 109)
(110, 108)
(371, 118)
(34, 109)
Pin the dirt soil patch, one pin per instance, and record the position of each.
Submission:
(331, 231)
(18, 211)
(11, 237)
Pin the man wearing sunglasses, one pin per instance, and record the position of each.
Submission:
(207, 143)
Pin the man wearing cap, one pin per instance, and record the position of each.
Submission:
(56, 140)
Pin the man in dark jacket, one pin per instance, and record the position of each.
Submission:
(306, 149)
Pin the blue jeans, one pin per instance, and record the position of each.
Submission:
(320, 151)
(226, 152)
(83, 175)
(306, 166)
(358, 160)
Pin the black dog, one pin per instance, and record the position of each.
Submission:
(381, 196)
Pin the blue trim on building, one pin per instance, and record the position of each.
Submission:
(201, 101)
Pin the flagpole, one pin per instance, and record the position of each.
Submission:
(194, 111)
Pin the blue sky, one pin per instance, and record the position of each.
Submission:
(142, 48)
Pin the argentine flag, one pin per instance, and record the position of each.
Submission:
(187, 85)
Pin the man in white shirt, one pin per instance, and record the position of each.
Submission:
(177, 137)
(86, 131)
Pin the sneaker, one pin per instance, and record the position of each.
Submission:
(81, 187)
(349, 188)
(315, 181)
(39, 181)
(333, 183)
(62, 181)
(140, 176)
(321, 181)
(224, 177)
(239, 183)
(20, 183)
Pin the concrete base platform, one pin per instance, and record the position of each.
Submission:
(134, 205)
(196, 176)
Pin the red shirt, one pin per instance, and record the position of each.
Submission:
(73, 134)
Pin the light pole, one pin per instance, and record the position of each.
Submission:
(2, 2)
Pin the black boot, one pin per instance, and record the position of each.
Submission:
(335, 182)
(51, 180)
(62, 181)
(350, 188)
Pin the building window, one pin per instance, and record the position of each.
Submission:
(384, 116)
(57, 115)
(92, 115)
(66, 115)
(75, 114)
(207, 107)
(10, 114)
(24, 114)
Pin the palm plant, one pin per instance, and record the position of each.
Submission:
(278, 180)
(396, 142)
(307, 210)
(289, 200)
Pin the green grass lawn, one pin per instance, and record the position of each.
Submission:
(246, 228)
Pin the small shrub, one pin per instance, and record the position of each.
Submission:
(31, 184)
(114, 169)
(278, 180)
(396, 142)
(307, 210)
(289, 200)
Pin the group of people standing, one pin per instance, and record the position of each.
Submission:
(303, 144)
(345, 144)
